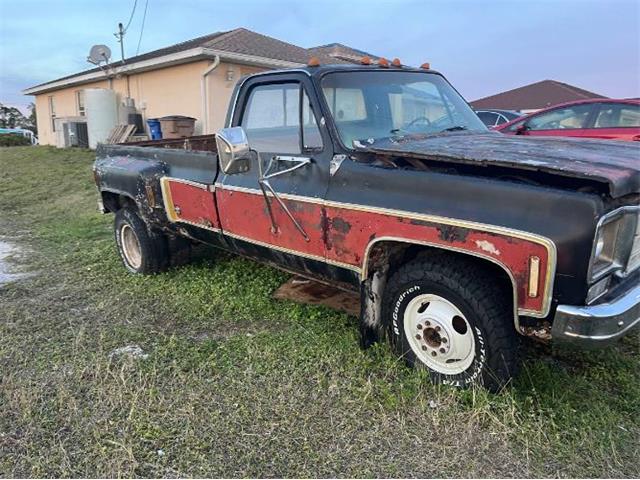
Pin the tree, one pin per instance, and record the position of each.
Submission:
(32, 118)
(11, 117)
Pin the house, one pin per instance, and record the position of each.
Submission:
(193, 78)
(342, 52)
(535, 96)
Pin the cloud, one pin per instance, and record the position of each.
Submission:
(482, 47)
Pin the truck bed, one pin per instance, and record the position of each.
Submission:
(202, 143)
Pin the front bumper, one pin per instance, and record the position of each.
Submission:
(598, 325)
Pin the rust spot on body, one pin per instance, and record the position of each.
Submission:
(451, 234)
(340, 225)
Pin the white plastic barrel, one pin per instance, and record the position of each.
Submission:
(101, 107)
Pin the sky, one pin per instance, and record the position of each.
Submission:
(482, 47)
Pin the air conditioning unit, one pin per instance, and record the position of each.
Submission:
(76, 134)
(63, 138)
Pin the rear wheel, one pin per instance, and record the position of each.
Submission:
(141, 250)
(448, 315)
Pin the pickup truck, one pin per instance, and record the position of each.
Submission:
(381, 180)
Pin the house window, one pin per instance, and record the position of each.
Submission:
(52, 113)
(80, 102)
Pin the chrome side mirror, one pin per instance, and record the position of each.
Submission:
(233, 150)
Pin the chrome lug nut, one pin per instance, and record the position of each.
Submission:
(442, 350)
(433, 354)
(418, 337)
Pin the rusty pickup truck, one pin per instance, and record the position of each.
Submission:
(381, 180)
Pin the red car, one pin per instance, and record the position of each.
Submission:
(604, 119)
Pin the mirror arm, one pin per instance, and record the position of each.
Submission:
(274, 226)
(263, 181)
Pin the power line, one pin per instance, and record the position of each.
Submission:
(122, 30)
(144, 17)
(135, 3)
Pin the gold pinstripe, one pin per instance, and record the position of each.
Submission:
(534, 238)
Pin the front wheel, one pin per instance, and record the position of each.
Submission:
(141, 250)
(448, 315)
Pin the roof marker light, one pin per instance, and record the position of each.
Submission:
(313, 62)
(383, 62)
(425, 65)
(365, 61)
(396, 62)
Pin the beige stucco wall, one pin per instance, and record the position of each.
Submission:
(220, 90)
(65, 106)
(176, 90)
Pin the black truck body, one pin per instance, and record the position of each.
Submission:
(529, 218)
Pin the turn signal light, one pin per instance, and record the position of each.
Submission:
(396, 62)
(383, 62)
(425, 65)
(314, 62)
(365, 61)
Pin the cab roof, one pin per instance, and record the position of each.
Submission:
(322, 69)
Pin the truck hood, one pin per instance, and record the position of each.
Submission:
(614, 163)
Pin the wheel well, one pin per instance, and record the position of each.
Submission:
(384, 257)
(115, 201)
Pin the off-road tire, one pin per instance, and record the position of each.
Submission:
(153, 247)
(485, 303)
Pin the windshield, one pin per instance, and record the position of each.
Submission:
(367, 106)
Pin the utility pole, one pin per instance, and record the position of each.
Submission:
(120, 36)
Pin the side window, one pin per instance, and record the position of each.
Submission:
(562, 118)
(52, 113)
(80, 102)
(618, 115)
(516, 126)
(272, 116)
(488, 118)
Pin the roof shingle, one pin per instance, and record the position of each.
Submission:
(239, 40)
(342, 52)
(535, 96)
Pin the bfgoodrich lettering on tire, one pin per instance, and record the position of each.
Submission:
(449, 315)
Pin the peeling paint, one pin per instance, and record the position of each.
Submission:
(487, 246)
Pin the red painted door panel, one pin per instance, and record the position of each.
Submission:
(190, 202)
(245, 217)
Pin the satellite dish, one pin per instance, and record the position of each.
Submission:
(99, 54)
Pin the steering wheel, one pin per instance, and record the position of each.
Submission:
(416, 120)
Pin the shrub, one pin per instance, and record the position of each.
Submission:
(13, 140)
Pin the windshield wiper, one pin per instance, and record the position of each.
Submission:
(456, 128)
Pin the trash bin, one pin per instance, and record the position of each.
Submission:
(154, 129)
(177, 126)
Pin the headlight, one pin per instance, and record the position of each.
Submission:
(616, 243)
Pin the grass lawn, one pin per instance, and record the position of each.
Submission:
(238, 384)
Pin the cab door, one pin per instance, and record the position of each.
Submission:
(274, 211)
